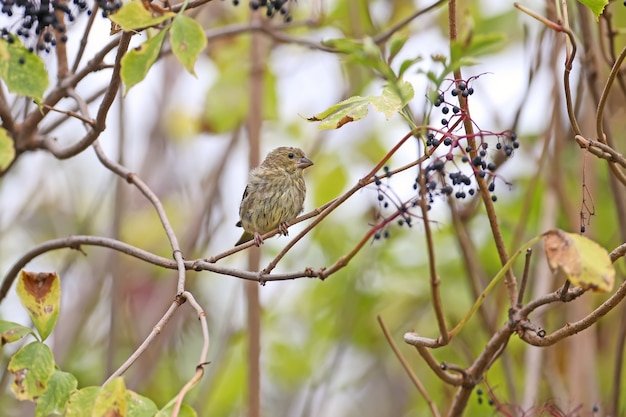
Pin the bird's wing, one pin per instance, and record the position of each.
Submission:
(243, 197)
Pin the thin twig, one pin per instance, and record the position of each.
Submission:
(407, 368)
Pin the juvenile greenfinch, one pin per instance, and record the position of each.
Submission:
(274, 195)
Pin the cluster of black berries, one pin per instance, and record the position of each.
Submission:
(38, 19)
(272, 7)
(385, 195)
(454, 145)
(479, 394)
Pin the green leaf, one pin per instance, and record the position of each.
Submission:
(23, 71)
(137, 62)
(7, 151)
(343, 45)
(111, 400)
(596, 6)
(32, 366)
(139, 406)
(81, 402)
(349, 110)
(188, 41)
(406, 64)
(133, 15)
(580, 260)
(40, 294)
(480, 44)
(11, 332)
(396, 43)
(54, 400)
(393, 98)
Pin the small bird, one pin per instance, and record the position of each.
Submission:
(274, 195)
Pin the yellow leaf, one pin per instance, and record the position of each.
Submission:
(582, 261)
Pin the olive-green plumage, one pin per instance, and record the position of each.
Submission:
(274, 195)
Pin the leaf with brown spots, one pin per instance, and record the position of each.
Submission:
(111, 400)
(40, 294)
(580, 260)
(32, 366)
(11, 332)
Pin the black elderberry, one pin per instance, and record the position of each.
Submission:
(468, 149)
(21, 60)
(386, 234)
(447, 190)
(470, 91)
(465, 93)
(455, 110)
(582, 229)
(471, 191)
(438, 165)
(385, 204)
(377, 180)
(508, 150)
(381, 197)
(447, 141)
(462, 85)
(444, 121)
(377, 235)
(432, 185)
(464, 158)
(445, 110)
(492, 186)
(491, 166)
(466, 180)
(515, 145)
(498, 146)
(513, 136)
(435, 142)
(482, 153)
(400, 222)
(454, 92)
(482, 174)
(477, 161)
(485, 145)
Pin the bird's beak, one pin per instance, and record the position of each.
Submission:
(304, 162)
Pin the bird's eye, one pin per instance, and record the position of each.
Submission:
(291, 155)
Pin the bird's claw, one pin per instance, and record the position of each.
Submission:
(258, 239)
(282, 228)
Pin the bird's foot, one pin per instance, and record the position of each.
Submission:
(258, 239)
(282, 229)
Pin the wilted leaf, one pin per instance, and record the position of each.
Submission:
(137, 62)
(32, 366)
(188, 41)
(582, 261)
(133, 15)
(40, 294)
(11, 332)
(23, 71)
